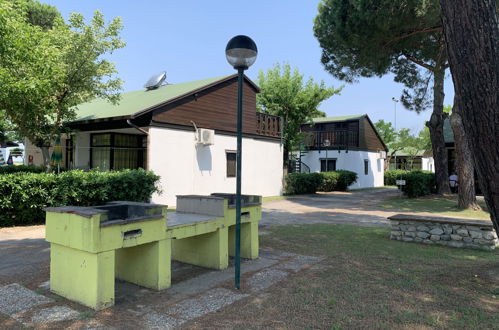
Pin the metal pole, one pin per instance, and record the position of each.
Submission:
(238, 176)
(327, 162)
(395, 124)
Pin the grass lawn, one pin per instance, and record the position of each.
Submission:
(440, 205)
(369, 281)
(274, 198)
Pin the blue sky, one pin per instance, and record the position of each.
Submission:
(187, 39)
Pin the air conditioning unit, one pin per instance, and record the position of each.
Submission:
(206, 136)
(382, 154)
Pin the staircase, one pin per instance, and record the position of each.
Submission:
(295, 164)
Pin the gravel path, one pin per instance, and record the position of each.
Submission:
(357, 208)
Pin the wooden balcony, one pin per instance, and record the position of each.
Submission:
(337, 138)
(268, 125)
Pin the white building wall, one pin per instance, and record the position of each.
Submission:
(428, 164)
(187, 168)
(351, 161)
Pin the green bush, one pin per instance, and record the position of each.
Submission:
(302, 183)
(419, 183)
(23, 196)
(309, 183)
(392, 175)
(21, 168)
(337, 180)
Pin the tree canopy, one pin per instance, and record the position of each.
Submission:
(49, 66)
(403, 140)
(367, 38)
(285, 93)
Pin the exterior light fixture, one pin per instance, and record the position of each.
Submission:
(241, 53)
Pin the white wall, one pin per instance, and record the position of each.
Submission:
(351, 161)
(428, 164)
(187, 168)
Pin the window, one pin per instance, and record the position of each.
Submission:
(328, 164)
(231, 163)
(114, 151)
(366, 166)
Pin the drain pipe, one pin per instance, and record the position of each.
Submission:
(129, 122)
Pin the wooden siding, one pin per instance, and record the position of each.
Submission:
(214, 108)
(353, 134)
(369, 140)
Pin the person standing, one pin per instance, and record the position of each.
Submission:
(453, 182)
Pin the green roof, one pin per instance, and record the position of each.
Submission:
(448, 135)
(338, 118)
(133, 102)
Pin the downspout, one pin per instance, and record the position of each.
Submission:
(129, 122)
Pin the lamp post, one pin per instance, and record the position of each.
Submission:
(395, 101)
(241, 53)
(326, 144)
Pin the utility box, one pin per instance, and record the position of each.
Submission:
(91, 246)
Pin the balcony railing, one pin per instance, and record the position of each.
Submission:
(268, 125)
(339, 138)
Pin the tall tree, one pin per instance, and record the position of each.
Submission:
(46, 70)
(7, 133)
(366, 38)
(471, 30)
(284, 93)
(394, 140)
(464, 162)
(417, 145)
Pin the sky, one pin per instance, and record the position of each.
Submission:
(187, 39)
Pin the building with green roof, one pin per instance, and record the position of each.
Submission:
(185, 132)
(342, 142)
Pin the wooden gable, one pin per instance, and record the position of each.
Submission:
(212, 108)
(369, 138)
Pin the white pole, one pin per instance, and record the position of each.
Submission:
(395, 101)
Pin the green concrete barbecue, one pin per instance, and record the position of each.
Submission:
(91, 246)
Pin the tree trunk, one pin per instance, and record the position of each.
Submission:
(471, 29)
(464, 162)
(46, 157)
(436, 126)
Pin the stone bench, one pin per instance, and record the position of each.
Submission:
(453, 232)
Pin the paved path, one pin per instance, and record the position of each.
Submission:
(357, 208)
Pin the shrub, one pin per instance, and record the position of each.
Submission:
(337, 180)
(21, 168)
(392, 175)
(23, 196)
(302, 183)
(419, 183)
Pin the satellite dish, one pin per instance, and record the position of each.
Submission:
(155, 81)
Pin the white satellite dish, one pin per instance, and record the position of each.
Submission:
(155, 81)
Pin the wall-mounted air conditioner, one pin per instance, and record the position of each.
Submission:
(205, 136)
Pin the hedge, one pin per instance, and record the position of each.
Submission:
(419, 183)
(302, 183)
(309, 183)
(23, 196)
(21, 168)
(337, 180)
(392, 175)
